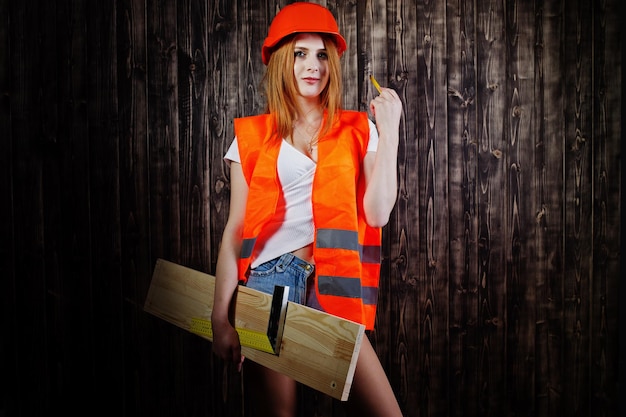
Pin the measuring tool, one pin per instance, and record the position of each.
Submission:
(267, 342)
(250, 338)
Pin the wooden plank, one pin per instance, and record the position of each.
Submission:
(163, 129)
(222, 64)
(520, 287)
(193, 86)
(317, 349)
(463, 165)
(578, 205)
(493, 152)
(432, 175)
(549, 346)
(606, 139)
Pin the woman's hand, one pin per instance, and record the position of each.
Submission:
(226, 343)
(387, 109)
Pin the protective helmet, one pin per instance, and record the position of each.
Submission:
(300, 18)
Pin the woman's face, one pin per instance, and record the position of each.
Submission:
(310, 67)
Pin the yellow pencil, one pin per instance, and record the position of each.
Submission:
(375, 84)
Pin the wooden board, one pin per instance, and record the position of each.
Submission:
(317, 349)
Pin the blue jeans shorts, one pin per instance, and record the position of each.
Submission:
(286, 270)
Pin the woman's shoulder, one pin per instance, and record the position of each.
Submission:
(356, 119)
(353, 114)
(252, 125)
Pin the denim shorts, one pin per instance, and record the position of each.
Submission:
(286, 270)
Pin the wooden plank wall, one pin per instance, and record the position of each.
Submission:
(499, 292)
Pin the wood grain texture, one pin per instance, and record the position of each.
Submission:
(578, 206)
(134, 209)
(463, 165)
(317, 349)
(163, 123)
(193, 90)
(492, 204)
(222, 74)
(607, 76)
(500, 274)
(550, 179)
(432, 289)
(520, 292)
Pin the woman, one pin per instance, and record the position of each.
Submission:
(311, 187)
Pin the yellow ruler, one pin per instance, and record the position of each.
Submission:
(249, 338)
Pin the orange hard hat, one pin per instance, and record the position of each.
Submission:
(301, 17)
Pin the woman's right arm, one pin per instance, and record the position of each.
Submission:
(225, 338)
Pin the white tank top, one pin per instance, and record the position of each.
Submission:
(291, 227)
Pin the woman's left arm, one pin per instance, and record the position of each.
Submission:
(381, 166)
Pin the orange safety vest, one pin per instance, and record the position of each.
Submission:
(346, 250)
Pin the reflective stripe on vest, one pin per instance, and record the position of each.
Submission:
(346, 250)
(347, 286)
(247, 245)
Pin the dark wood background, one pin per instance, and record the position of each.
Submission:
(501, 260)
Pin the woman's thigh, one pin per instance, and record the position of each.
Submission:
(272, 393)
(371, 394)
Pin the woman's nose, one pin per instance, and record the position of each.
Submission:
(313, 64)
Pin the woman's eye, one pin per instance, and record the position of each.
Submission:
(322, 55)
(299, 54)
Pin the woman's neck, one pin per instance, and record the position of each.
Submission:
(311, 112)
(310, 117)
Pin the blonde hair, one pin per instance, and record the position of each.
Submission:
(281, 88)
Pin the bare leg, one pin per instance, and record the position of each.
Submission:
(273, 394)
(371, 394)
